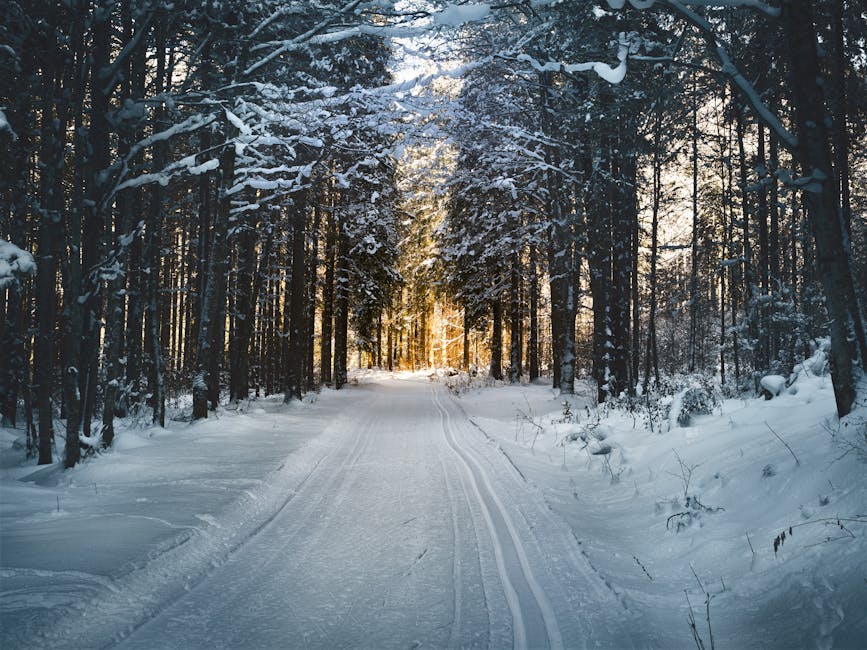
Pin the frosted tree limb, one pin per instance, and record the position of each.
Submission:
(4, 126)
(451, 15)
(611, 74)
(14, 262)
(302, 38)
(728, 68)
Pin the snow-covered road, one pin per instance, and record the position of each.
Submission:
(412, 530)
(395, 515)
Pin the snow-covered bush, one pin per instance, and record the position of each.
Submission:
(694, 401)
(672, 403)
(460, 381)
(817, 365)
(772, 385)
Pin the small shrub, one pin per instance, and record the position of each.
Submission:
(695, 401)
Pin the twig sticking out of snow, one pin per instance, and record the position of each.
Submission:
(638, 562)
(753, 551)
(836, 522)
(691, 618)
(797, 462)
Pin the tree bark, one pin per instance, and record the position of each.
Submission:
(516, 321)
(693, 281)
(533, 343)
(341, 307)
(50, 238)
(496, 369)
(327, 316)
(297, 300)
(211, 338)
(312, 283)
(823, 202)
(651, 357)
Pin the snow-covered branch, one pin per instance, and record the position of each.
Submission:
(191, 124)
(728, 68)
(757, 5)
(451, 15)
(611, 74)
(4, 126)
(301, 38)
(14, 262)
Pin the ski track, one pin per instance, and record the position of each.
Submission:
(507, 546)
(401, 527)
(309, 507)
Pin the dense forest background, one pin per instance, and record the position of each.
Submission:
(234, 199)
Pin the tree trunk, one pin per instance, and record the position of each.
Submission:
(249, 282)
(749, 283)
(328, 302)
(823, 201)
(466, 350)
(153, 240)
(341, 308)
(841, 131)
(73, 308)
(496, 370)
(763, 344)
(623, 217)
(13, 362)
(312, 282)
(516, 321)
(211, 339)
(693, 281)
(651, 357)
(600, 249)
(97, 212)
(533, 343)
(50, 239)
(297, 301)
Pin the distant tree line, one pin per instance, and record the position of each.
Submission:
(212, 196)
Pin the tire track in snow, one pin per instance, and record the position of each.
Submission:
(516, 575)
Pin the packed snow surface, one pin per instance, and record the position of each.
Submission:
(398, 514)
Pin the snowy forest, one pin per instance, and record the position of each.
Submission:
(207, 205)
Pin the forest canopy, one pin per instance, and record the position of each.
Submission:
(231, 199)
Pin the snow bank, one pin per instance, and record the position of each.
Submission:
(659, 512)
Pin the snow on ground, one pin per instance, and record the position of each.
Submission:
(394, 513)
(667, 518)
(114, 533)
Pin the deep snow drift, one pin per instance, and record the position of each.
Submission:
(521, 521)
